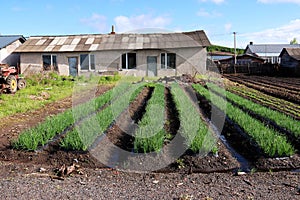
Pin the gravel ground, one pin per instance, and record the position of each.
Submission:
(111, 184)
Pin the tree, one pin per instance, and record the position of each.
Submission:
(294, 41)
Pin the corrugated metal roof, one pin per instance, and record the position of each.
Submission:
(244, 56)
(6, 40)
(128, 41)
(293, 52)
(264, 49)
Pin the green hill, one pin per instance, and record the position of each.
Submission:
(214, 48)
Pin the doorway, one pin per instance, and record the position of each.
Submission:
(151, 66)
(73, 66)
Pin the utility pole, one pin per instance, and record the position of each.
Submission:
(234, 34)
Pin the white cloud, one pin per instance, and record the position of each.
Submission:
(214, 1)
(97, 22)
(125, 24)
(279, 1)
(204, 13)
(283, 34)
(228, 27)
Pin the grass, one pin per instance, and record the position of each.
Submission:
(31, 97)
(43, 89)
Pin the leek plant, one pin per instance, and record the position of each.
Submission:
(271, 142)
(198, 136)
(150, 134)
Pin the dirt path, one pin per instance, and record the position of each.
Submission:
(24, 182)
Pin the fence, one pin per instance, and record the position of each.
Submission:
(253, 68)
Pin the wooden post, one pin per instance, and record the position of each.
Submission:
(249, 69)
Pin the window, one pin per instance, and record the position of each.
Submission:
(87, 62)
(129, 61)
(168, 60)
(49, 62)
(92, 62)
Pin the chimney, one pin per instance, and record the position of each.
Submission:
(251, 43)
(113, 30)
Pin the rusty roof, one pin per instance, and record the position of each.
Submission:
(293, 52)
(99, 42)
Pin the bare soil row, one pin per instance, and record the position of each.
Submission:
(277, 91)
(187, 163)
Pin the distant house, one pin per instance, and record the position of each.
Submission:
(8, 44)
(152, 54)
(219, 55)
(290, 61)
(269, 52)
(243, 59)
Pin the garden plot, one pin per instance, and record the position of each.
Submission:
(274, 103)
(155, 150)
(105, 121)
(40, 135)
(277, 120)
(283, 92)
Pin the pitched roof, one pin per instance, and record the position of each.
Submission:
(293, 52)
(264, 49)
(6, 40)
(241, 56)
(98, 42)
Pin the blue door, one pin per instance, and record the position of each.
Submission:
(151, 66)
(73, 66)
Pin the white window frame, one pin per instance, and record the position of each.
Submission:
(51, 59)
(126, 60)
(165, 66)
(89, 57)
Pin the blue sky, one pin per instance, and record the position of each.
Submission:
(260, 21)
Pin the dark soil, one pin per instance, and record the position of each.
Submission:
(25, 181)
(282, 92)
(280, 105)
(22, 176)
(290, 136)
(248, 148)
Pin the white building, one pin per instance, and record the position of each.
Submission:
(8, 44)
(269, 52)
(149, 54)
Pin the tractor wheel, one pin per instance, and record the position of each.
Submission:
(11, 81)
(21, 84)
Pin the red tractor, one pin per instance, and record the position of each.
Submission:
(10, 79)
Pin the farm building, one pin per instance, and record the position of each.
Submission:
(243, 59)
(269, 52)
(219, 55)
(8, 44)
(290, 61)
(149, 54)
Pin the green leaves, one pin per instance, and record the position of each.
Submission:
(279, 118)
(151, 134)
(270, 141)
(85, 133)
(37, 136)
(199, 137)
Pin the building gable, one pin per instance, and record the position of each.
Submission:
(6, 40)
